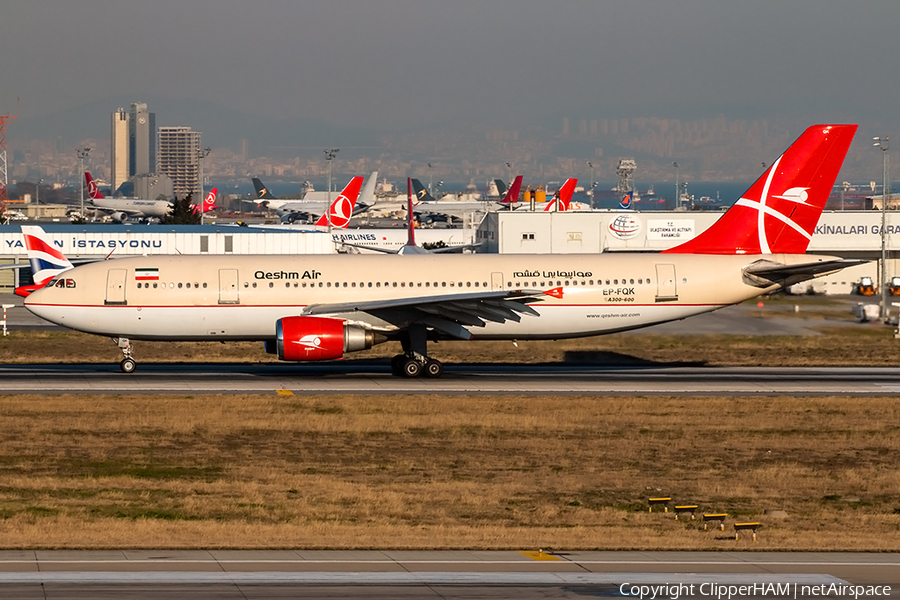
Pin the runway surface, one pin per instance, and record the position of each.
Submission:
(414, 574)
(367, 377)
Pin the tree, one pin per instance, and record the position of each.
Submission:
(182, 212)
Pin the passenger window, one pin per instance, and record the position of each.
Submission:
(271, 284)
(179, 286)
(378, 284)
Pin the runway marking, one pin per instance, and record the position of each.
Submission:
(284, 392)
(301, 561)
(407, 578)
(539, 555)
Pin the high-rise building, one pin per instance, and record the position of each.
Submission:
(119, 146)
(179, 158)
(142, 140)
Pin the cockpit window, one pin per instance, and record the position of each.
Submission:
(70, 283)
(60, 283)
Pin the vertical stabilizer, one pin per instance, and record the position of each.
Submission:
(779, 212)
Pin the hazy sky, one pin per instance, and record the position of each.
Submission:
(392, 63)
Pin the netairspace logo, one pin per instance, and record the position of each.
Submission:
(674, 591)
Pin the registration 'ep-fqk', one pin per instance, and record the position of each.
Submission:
(310, 308)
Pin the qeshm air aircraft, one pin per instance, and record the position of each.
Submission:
(314, 307)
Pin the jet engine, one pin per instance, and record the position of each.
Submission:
(320, 338)
(119, 216)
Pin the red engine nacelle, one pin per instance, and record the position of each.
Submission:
(319, 338)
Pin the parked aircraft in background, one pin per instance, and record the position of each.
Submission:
(411, 247)
(291, 210)
(320, 307)
(123, 209)
(209, 203)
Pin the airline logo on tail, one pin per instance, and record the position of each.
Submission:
(209, 203)
(46, 260)
(93, 191)
(626, 202)
(563, 197)
(779, 212)
(342, 208)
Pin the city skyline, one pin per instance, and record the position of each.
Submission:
(401, 65)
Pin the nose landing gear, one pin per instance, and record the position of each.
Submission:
(128, 364)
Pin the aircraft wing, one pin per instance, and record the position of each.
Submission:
(449, 249)
(768, 272)
(127, 211)
(448, 314)
(372, 248)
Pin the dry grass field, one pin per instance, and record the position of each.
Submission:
(445, 472)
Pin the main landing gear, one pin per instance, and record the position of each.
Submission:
(415, 365)
(128, 365)
(414, 362)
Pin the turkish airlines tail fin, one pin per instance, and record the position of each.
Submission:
(779, 212)
(563, 197)
(46, 260)
(342, 207)
(93, 191)
(512, 194)
(209, 203)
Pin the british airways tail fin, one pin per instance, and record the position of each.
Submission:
(93, 191)
(262, 193)
(46, 260)
(341, 208)
(512, 194)
(779, 212)
(420, 192)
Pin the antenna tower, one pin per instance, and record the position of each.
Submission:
(4, 175)
(625, 171)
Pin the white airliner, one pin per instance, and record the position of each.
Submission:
(123, 209)
(313, 203)
(321, 307)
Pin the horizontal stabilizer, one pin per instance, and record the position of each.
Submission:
(765, 273)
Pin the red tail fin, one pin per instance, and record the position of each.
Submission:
(93, 192)
(210, 202)
(342, 207)
(779, 212)
(512, 194)
(563, 196)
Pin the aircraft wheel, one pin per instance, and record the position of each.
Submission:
(411, 368)
(434, 368)
(128, 365)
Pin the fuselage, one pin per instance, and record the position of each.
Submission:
(241, 297)
(136, 208)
